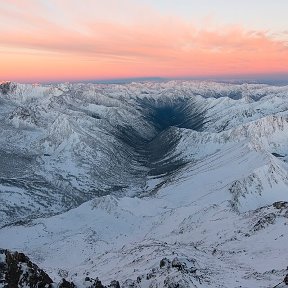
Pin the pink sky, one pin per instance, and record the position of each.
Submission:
(69, 40)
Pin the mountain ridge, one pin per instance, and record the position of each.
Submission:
(110, 179)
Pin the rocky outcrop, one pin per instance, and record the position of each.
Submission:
(16, 270)
(6, 87)
(280, 205)
(66, 284)
(96, 283)
(171, 273)
(265, 221)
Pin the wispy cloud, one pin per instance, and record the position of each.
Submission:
(150, 44)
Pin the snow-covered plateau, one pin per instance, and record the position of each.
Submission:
(156, 184)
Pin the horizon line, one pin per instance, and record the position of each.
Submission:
(275, 78)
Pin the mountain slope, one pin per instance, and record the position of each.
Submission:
(109, 181)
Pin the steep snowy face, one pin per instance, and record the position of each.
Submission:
(156, 152)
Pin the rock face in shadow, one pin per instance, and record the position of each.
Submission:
(66, 284)
(16, 270)
(156, 152)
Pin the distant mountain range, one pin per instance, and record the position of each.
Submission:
(153, 184)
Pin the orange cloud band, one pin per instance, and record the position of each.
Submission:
(164, 47)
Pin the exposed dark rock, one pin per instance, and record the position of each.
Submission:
(176, 263)
(265, 221)
(65, 284)
(98, 284)
(280, 205)
(16, 270)
(130, 284)
(286, 279)
(277, 155)
(165, 263)
(63, 273)
(114, 284)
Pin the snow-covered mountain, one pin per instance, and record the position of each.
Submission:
(170, 184)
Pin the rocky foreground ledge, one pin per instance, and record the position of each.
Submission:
(16, 270)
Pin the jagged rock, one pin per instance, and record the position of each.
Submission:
(265, 221)
(65, 284)
(176, 263)
(280, 205)
(16, 270)
(96, 283)
(165, 263)
(63, 273)
(114, 284)
(286, 279)
(130, 284)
